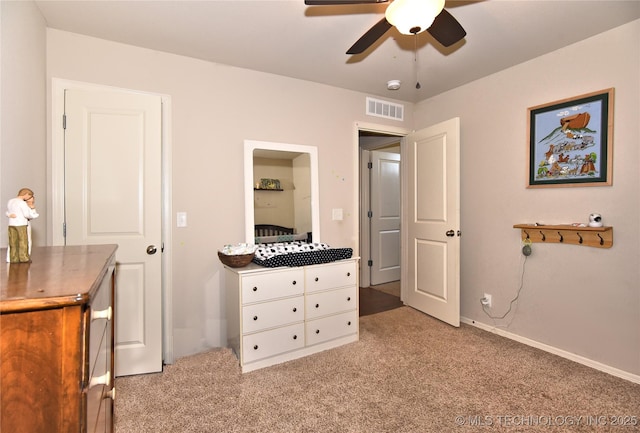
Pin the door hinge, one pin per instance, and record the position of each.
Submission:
(162, 247)
(369, 165)
(370, 263)
(64, 121)
(370, 214)
(64, 230)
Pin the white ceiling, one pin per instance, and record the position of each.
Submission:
(309, 42)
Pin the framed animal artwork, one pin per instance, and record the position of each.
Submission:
(571, 141)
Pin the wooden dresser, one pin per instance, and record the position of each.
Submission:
(57, 340)
(280, 314)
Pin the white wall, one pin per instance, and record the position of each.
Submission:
(214, 109)
(22, 110)
(582, 300)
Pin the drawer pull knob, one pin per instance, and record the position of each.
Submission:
(255, 347)
(349, 298)
(255, 317)
(105, 379)
(255, 289)
(349, 323)
(295, 337)
(294, 282)
(101, 314)
(317, 331)
(348, 274)
(317, 305)
(295, 309)
(317, 279)
(110, 394)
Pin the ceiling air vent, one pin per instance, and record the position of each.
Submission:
(388, 110)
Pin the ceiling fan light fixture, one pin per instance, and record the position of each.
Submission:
(413, 16)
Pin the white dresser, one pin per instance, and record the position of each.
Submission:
(276, 315)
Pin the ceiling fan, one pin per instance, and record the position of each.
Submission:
(410, 17)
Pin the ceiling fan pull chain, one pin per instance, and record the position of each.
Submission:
(415, 59)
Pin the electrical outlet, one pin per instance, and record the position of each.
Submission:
(486, 300)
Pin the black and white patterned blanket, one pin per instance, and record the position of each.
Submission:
(294, 254)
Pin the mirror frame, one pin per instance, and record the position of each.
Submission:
(249, 215)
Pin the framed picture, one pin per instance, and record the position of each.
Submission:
(571, 141)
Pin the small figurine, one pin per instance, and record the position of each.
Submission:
(595, 220)
(20, 211)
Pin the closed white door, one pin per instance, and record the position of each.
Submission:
(431, 223)
(113, 195)
(385, 217)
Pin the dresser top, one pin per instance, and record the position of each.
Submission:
(57, 276)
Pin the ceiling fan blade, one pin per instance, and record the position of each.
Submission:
(370, 37)
(341, 2)
(446, 29)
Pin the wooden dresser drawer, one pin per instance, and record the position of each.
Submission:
(257, 317)
(330, 276)
(273, 342)
(100, 315)
(330, 302)
(272, 285)
(328, 328)
(100, 381)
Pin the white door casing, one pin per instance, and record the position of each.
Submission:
(431, 221)
(113, 194)
(385, 217)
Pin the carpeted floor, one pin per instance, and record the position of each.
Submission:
(408, 373)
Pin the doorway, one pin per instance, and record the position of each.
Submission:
(430, 240)
(380, 205)
(112, 116)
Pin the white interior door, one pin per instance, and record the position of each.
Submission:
(431, 242)
(113, 195)
(385, 217)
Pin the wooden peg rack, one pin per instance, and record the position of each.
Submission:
(599, 237)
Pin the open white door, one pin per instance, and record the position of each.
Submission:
(385, 217)
(113, 195)
(431, 221)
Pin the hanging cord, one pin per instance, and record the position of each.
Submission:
(512, 301)
(415, 59)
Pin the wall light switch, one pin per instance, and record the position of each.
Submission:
(336, 215)
(181, 219)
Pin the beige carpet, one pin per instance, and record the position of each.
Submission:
(408, 373)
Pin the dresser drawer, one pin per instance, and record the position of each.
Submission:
(97, 348)
(100, 316)
(329, 276)
(330, 302)
(328, 328)
(99, 402)
(269, 343)
(256, 317)
(272, 285)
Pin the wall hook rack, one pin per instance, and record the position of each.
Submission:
(599, 237)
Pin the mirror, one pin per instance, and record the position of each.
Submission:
(281, 187)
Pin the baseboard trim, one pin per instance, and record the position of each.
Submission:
(554, 350)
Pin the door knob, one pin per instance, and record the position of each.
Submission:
(151, 249)
(450, 233)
